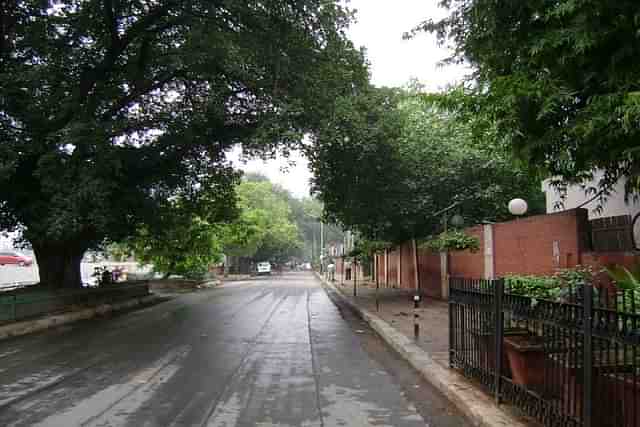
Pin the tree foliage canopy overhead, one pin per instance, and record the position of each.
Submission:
(109, 108)
(559, 78)
(265, 229)
(392, 163)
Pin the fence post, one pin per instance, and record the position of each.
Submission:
(499, 332)
(587, 346)
(452, 331)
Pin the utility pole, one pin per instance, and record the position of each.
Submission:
(321, 246)
(313, 247)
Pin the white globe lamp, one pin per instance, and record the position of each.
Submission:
(457, 220)
(518, 207)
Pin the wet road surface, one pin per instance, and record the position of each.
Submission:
(269, 352)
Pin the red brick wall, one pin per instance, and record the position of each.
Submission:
(467, 263)
(599, 260)
(408, 280)
(523, 246)
(430, 278)
(526, 245)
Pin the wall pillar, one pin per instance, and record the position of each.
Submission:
(399, 282)
(386, 268)
(416, 265)
(444, 274)
(489, 251)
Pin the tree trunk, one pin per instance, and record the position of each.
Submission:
(59, 268)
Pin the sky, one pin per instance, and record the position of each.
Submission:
(393, 62)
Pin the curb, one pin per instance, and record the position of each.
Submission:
(37, 325)
(471, 401)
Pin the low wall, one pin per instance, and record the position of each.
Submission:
(430, 273)
(539, 244)
(536, 245)
(467, 263)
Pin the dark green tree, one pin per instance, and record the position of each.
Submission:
(356, 164)
(559, 79)
(264, 229)
(406, 162)
(110, 108)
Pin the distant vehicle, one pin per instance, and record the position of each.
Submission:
(264, 268)
(14, 258)
(306, 266)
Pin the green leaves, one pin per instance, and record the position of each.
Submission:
(409, 156)
(449, 241)
(265, 230)
(109, 109)
(556, 79)
(625, 278)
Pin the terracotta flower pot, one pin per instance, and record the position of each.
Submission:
(526, 360)
(485, 342)
(626, 390)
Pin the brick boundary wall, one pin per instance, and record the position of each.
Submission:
(535, 245)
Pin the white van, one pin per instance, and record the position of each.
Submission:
(264, 268)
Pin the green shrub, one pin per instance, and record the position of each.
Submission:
(563, 285)
(452, 241)
(543, 287)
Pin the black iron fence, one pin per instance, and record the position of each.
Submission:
(571, 361)
(20, 306)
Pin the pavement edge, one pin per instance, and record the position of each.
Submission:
(472, 402)
(37, 325)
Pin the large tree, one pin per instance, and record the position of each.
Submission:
(401, 160)
(356, 165)
(264, 229)
(559, 78)
(109, 108)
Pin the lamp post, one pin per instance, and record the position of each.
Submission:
(322, 251)
(457, 220)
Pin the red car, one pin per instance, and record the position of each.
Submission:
(14, 258)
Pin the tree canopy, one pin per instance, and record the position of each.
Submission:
(110, 108)
(265, 229)
(558, 78)
(401, 161)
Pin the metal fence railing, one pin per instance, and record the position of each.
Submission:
(20, 306)
(574, 361)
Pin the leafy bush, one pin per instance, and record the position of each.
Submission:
(625, 278)
(455, 240)
(628, 281)
(564, 285)
(572, 277)
(544, 287)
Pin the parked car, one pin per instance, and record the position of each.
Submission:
(14, 258)
(264, 268)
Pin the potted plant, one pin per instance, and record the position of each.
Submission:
(484, 343)
(526, 352)
(624, 383)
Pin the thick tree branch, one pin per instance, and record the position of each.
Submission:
(140, 90)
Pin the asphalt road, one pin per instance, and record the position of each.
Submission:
(270, 352)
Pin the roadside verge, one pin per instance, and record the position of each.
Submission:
(472, 402)
(40, 324)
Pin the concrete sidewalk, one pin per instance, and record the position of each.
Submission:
(39, 324)
(429, 353)
(396, 308)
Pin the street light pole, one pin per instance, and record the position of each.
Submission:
(321, 246)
